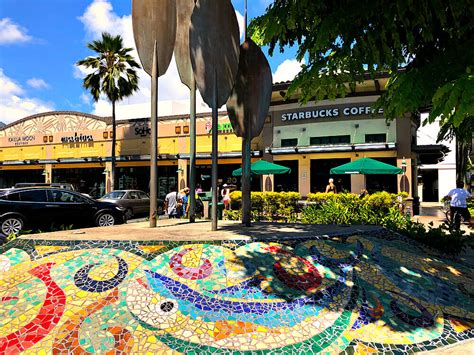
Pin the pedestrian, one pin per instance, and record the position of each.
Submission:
(458, 204)
(331, 187)
(225, 193)
(173, 203)
(185, 197)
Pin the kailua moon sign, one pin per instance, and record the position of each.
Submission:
(214, 44)
(250, 99)
(154, 20)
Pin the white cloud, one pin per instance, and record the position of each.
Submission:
(99, 17)
(37, 83)
(287, 70)
(85, 99)
(11, 32)
(8, 87)
(13, 103)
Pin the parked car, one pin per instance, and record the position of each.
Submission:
(40, 207)
(135, 202)
(61, 185)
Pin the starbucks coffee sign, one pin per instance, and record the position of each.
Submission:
(329, 112)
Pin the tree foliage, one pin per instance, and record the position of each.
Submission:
(113, 69)
(426, 47)
(113, 74)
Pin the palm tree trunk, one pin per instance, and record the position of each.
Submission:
(462, 150)
(114, 139)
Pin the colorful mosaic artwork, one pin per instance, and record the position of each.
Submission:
(353, 294)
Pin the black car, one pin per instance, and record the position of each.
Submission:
(36, 207)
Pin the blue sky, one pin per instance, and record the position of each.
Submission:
(40, 40)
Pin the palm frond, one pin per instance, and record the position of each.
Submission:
(115, 74)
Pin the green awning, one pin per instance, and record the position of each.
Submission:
(366, 166)
(262, 167)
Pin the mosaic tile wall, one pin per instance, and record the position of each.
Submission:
(356, 294)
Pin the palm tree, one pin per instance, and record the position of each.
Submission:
(114, 75)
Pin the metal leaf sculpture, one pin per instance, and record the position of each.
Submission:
(250, 99)
(154, 20)
(181, 50)
(214, 45)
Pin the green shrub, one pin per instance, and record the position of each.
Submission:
(321, 197)
(235, 199)
(444, 238)
(269, 206)
(233, 215)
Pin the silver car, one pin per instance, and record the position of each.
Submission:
(135, 202)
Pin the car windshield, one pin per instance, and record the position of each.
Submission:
(114, 195)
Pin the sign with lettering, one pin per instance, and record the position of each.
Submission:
(24, 140)
(81, 138)
(141, 128)
(329, 112)
(221, 127)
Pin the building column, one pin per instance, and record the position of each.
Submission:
(268, 183)
(182, 174)
(108, 176)
(48, 177)
(304, 179)
(358, 182)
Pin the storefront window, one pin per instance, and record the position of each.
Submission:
(86, 180)
(9, 178)
(382, 182)
(290, 142)
(320, 175)
(375, 138)
(330, 140)
(287, 182)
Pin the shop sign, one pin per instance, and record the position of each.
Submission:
(81, 138)
(24, 140)
(330, 113)
(141, 129)
(221, 127)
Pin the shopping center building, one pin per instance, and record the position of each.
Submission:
(75, 147)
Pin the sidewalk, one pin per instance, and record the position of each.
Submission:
(167, 229)
(431, 212)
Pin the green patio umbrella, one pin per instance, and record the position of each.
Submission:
(366, 166)
(262, 167)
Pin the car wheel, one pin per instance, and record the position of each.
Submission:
(159, 210)
(11, 225)
(128, 213)
(105, 219)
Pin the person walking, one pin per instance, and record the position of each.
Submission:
(226, 196)
(458, 204)
(185, 196)
(331, 187)
(173, 203)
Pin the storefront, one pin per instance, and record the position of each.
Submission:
(310, 139)
(313, 138)
(75, 147)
